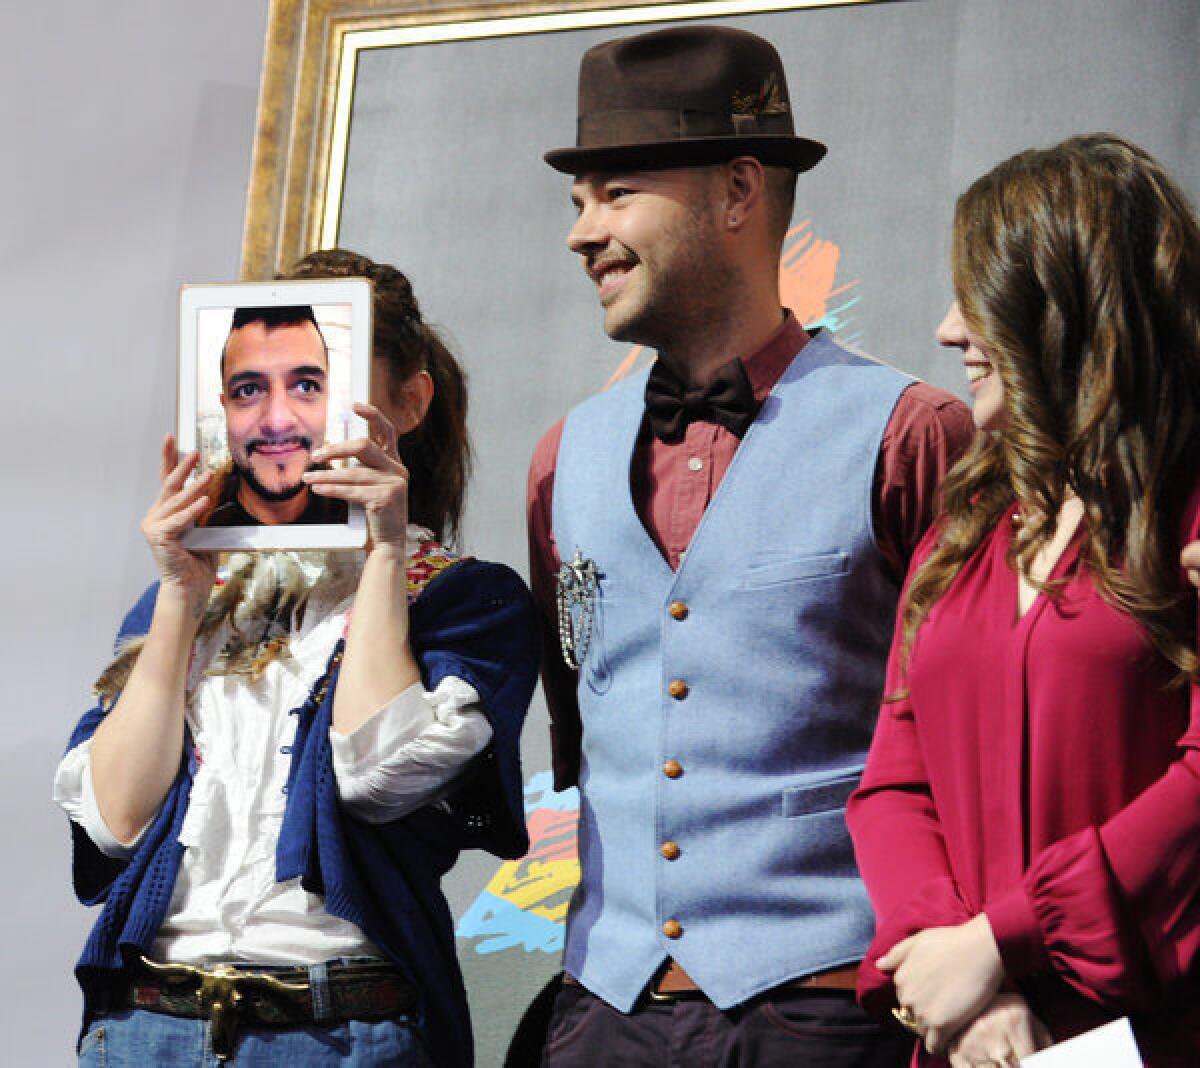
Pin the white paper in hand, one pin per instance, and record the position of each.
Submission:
(1110, 1046)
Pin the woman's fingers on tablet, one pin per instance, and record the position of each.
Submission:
(345, 476)
(182, 498)
(170, 457)
(193, 492)
(177, 475)
(382, 430)
(366, 451)
(179, 521)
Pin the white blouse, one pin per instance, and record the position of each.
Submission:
(226, 903)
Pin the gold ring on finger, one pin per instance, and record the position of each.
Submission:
(906, 1019)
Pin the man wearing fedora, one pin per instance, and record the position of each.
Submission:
(717, 629)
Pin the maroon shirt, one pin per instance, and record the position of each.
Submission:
(672, 484)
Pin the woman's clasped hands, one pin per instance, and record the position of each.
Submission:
(948, 981)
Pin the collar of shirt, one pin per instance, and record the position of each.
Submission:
(766, 364)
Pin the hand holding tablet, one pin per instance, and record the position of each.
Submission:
(378, 483)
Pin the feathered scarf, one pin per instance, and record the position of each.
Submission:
(261, 597)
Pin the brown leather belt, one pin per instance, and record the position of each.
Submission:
(229, 995)
(674, 984)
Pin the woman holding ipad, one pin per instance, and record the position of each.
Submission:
(283, 763)
(1028, 824)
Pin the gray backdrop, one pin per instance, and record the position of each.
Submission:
(129, 127)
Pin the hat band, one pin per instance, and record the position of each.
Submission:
(651, 125)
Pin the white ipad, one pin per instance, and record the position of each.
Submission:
(267, 373)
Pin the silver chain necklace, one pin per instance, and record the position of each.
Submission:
(578, 582)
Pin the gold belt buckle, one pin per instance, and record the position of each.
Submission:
(221, 995)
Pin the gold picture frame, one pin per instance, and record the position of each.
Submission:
(307, 92)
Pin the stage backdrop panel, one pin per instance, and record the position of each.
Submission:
(415, 135)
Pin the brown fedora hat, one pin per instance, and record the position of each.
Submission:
(683, 97)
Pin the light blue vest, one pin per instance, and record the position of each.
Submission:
(789, 617)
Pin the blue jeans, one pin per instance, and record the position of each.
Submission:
(135, 1038)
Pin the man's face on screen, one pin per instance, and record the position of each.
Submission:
(275, 396)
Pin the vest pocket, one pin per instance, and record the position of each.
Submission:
(828, 796)
(823, 565)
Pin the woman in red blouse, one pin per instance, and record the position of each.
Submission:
(1028, 824)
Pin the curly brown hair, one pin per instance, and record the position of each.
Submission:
(1078, 269)
(438, 452)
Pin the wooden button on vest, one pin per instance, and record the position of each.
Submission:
(678, 689)
(672, 769)
(678, 610)
(672, 929)
(669, 850)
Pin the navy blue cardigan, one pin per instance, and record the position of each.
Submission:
(475, 620)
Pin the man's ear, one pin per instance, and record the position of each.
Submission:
(745, 190)
(410, 402)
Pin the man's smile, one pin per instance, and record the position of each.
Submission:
(282, 449)
(609, 272)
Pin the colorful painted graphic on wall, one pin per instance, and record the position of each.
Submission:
(524, 905)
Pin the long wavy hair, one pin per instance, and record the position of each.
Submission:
(1077, 268)
(438, 452)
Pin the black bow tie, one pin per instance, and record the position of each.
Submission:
(727, 399)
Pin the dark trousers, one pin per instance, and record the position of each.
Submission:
(786, 1028)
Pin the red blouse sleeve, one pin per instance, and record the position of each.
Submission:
(1114, 910)
(897, 835)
